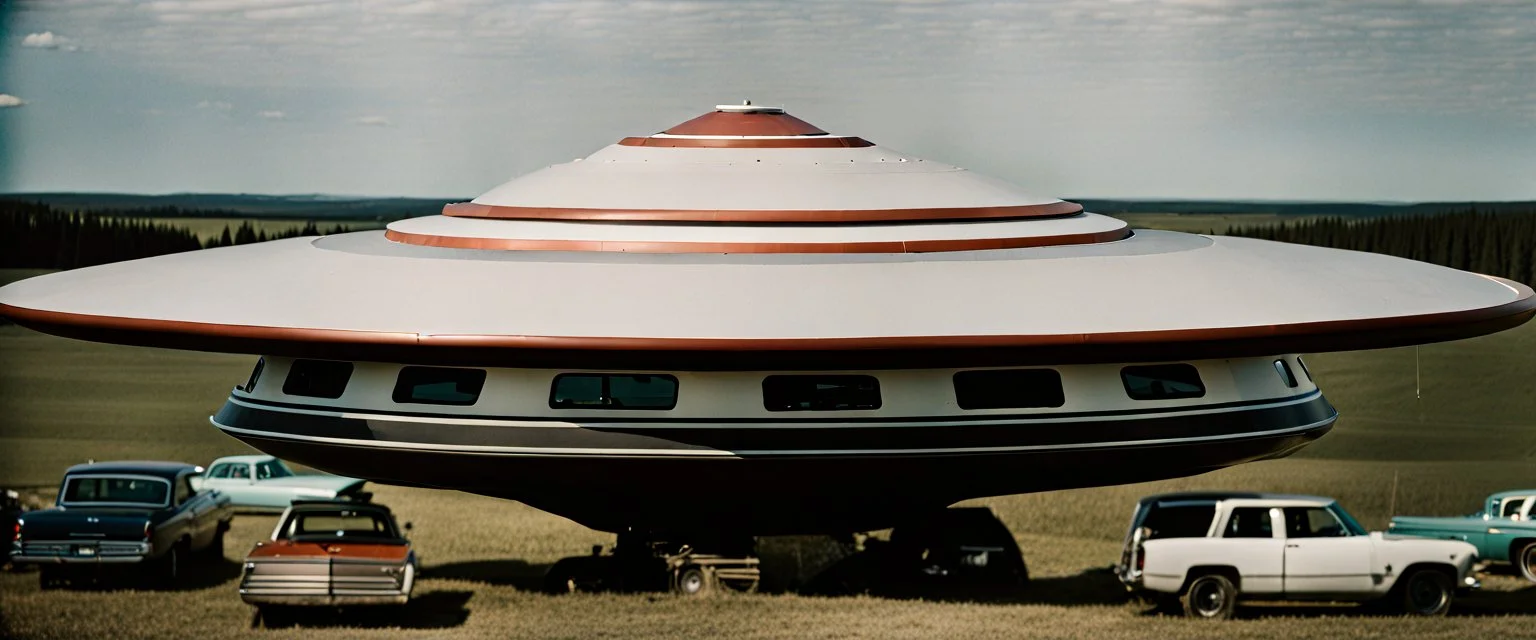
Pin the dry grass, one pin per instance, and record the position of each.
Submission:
(1470, 433)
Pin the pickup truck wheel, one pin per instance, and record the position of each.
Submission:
(1210, 597)
(1526, 561)
(1428, 593)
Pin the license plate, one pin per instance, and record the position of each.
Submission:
(85, 551)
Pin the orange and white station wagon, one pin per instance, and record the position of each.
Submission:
(330, 553)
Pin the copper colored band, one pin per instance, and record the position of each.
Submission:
(828, 216)
(903, 246)
(724, 123)
(748, 143)
(749, 354)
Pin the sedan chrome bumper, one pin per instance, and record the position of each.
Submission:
(76, 552)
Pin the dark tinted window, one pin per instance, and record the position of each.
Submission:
(1304, 368)
(1250, 522)
(1190, 520)
(220, 470)
(438, 385)
(342, 523)
(272, 469)
(820, 393)
(1312, 522)
(613, 391)
(250, 384)
(1010, 389)
(317, 378)
(124, 490)
(1285, 373)
(1162, 382)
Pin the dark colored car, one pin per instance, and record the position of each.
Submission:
(139, 514)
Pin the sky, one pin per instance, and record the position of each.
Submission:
(1360, 100)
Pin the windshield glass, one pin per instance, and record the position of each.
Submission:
(272, 469)
(1350, 525)
(117, 490)
(342, 524)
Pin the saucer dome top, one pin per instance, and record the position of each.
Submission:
(750, 239)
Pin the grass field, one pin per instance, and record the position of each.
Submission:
(1469, 430)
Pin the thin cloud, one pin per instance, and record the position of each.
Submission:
(271, 115)
(7, 101)
(215, 105)
(44, 40)
(373, 121)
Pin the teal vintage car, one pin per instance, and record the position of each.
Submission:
(1504, 531)
(264, 483)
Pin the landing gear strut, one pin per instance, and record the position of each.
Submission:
(640, 562)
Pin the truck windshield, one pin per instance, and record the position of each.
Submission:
(115, 490)
(1348, 521)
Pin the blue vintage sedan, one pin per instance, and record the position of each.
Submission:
(1503, 531)
(264, 483)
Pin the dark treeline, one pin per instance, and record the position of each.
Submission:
(40, 237)
(1498, 244)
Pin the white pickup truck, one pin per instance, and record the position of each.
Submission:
(1211, 549)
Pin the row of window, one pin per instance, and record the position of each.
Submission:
(986, 389)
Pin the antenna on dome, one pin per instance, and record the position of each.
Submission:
(746, 106)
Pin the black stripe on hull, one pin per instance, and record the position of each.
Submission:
(772, 496)
(748, 439)
(688, 485)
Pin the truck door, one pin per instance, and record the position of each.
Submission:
(1322, 557)
(1258, 551)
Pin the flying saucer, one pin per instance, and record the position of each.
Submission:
(746, 323)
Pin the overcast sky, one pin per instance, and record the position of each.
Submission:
(1314, 100)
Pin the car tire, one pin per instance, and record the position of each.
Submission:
(273, 617)
(692, 581)
(1525, 560)
(170, 568)
(49, 578)
(1427, 593)
(1209, 597)
(215, 550)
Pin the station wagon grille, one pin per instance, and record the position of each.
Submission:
(293, 577)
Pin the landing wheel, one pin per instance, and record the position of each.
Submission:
(1210, 597)
(692, 581)
(1525, 559)
(1428, 593)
